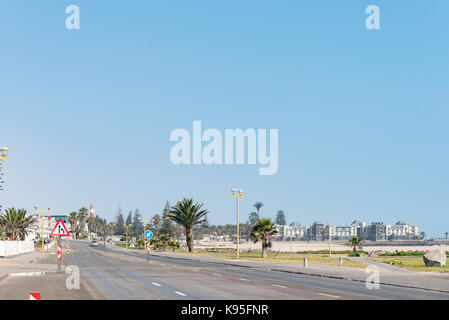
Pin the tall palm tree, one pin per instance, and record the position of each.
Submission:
(73, 219)
(15, 223)
(446, 233)
(261, 230)
(188, 215)
(258, 205)
(82, 217)
(355, 243)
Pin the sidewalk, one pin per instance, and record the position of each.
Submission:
(25, 265)
(389, 275)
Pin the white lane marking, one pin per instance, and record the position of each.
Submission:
(180, 293)
(328, 295)
(216, 274)
(278, 285)
(194, 270)
(243, 279)
(156, 284)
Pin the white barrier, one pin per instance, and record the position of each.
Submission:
(13, 248)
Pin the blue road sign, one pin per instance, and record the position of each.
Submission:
(148, 234)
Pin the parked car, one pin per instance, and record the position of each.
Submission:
(94, 243)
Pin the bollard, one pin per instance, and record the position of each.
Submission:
(340, 261)
(305, 262)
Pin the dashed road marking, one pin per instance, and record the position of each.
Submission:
(180, 293)
(279, 286)
(156, 284)
(243, 279)
(328, 295)
(216, 274)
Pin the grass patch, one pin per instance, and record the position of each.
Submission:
(410, 263)
(274, 256)
(123, 245)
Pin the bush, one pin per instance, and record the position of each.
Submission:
(401, 254)
(357, 253)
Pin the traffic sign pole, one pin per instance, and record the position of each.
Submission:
(59, 254)
(59, 231)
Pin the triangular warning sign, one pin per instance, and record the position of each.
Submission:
(60, 230)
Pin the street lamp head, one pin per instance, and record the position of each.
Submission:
(3, 151)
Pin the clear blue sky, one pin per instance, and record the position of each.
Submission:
(362, 115)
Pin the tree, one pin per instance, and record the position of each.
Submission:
(280, 218)
(73, 219)
(82, 217)
(446, 233)
(355, 243)
(188, 215)
(253, 217)
(258, 205)
(120, 225)
(157, 223)
(167, 226)
(137, 226)
(15, 223)
(423, 235)
(261, 231)
(129, 219)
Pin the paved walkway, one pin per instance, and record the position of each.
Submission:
(27, 265)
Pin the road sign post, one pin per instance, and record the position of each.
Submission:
(59, 231)
(148, 235)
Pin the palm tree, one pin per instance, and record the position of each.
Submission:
(15, 223)
(446, 233)
(355, 243)
(188, 215)
(258, 205)
(82, 216)
(261, 230)
(73, 219)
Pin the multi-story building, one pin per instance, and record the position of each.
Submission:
(317, 231)
(377, 231)
(340, 232)
(401, 230)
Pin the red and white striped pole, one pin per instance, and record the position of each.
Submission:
(59, 254)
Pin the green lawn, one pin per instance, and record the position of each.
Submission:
(123, 245)
(281, 257)
(411, 263)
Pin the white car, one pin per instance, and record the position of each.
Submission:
(94, 243)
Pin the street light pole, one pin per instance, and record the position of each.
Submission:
(329, 223)
(3, 153)
(43, 213)
(237, 195)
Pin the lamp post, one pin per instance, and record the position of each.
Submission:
(3, 153)
(237, 195)
(43, 213)
(329, 224)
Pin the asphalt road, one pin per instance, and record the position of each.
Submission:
(119, 274)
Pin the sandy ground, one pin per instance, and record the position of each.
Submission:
(284, 246)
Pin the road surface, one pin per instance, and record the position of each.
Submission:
(120, 274)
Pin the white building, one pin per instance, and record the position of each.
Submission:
(402, 230)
